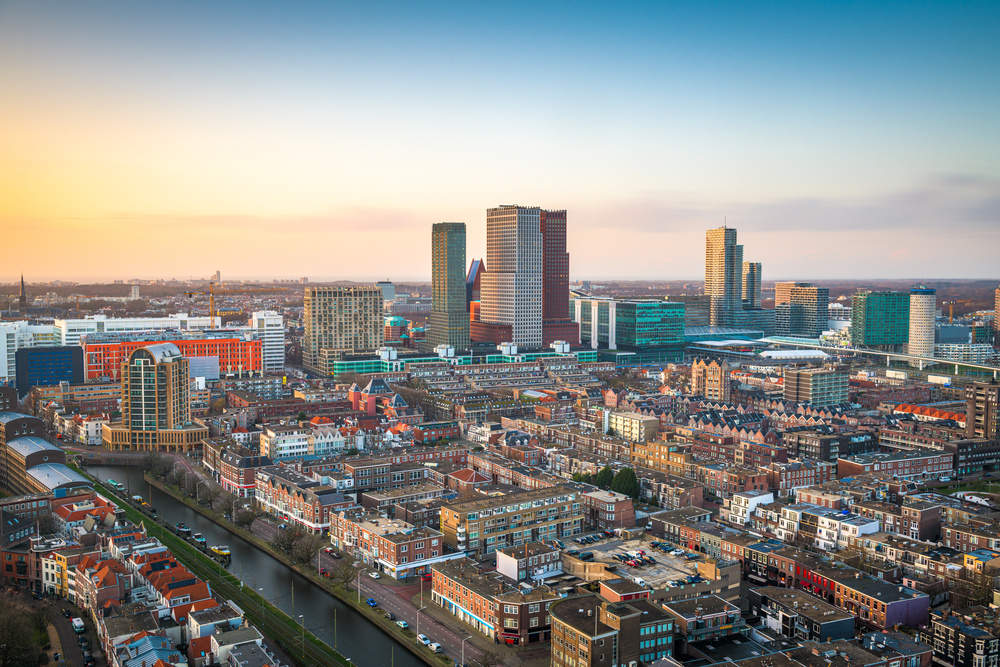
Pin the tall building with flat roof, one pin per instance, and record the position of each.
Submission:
(45, 366)
(815, 386)
(880, 319)
(923, 307)
(724, 276)
(340, 320)
(156, 404)
(697, 309)
(982, 410)
(800, 309)
(557, 324)
(448, 323)
(751, 284)
(512, 287)
(629, 324)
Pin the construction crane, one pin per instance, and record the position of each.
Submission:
(223, 292)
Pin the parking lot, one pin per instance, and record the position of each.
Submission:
(667, 567)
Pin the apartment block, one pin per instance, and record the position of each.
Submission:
(710, 378)
(963, 638)
(535, 561)
(482, 526)
(982, 409)
(904, 465)
(392, 546)
(798, 615)
(607, 510)
(340, 320)
(300, 499)
(705, 618)
(633, 427)
(815, 386)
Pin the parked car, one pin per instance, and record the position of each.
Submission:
(944, 479)
(559, 544)
(371, 602)
(423, 640)
(652, 561)
(390, 616)
(426, 577)
(334, 554)
(374, 575)
(435, 647)
(586, 555)
(573, 552)
(403, 624)
(608, 533)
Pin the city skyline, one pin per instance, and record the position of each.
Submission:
(276, 134)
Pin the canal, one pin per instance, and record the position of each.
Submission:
(356, 638)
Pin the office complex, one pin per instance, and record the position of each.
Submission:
(237, 352)
(45, 366)
(982, 410)
(525, 291)
(156, 406)
(70, 331)
(474, 282)
(556, 321)
(923, 307)
(448, 323)
(816, 386)
(800, 309)
(751, 285)
(710, 378)
(340, 320)
(724, 277)
(629, 324)
(512, 287)
(880, 319)
(697, 309)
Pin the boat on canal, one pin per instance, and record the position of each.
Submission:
(221, 550)
(183, 530)
(198, 540)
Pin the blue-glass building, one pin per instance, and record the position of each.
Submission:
(47, 366)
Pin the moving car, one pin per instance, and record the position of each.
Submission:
(374, 575)
(423, 640)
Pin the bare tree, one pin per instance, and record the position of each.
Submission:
(41, 619)
(208, 493)
(285, 540)
(190, 485)
(245, 517)
(228, 504)
(17, 641)
(488, 659)
(344, 572)
(306, 548)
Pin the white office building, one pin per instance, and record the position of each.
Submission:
(70, 331)
(512, 286)
(14, 336)
(923, 305)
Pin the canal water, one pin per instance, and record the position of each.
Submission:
(356, 637)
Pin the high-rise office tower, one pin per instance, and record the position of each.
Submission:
(880, 319)
(448, 323)
(556, 321)
(800, 309)
(982, 410)
(751, 284)
(697, 309)
(923, 304)
(723, 276)
(996, 317)
(511, 303)
(340, 320)
(156, 403)
(474, 283)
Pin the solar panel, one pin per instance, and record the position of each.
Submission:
(174, 585)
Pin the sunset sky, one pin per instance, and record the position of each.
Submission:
(171, 139)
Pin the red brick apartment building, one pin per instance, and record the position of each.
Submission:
(607, 510)
(783, 478)
(920, 464)
(425, 432)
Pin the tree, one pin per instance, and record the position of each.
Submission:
(190, 485)
(208, 492)
(488, 659)
(344, 572)
(604, 478)
(302, 417)
(285, 540)
(306, 548)
(582, 478)
(17, 643)
(626, 483)
(245, 517)
(41, 619)
(229, 504)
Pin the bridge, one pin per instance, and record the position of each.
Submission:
(813, 344)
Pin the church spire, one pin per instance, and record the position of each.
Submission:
(22, 300)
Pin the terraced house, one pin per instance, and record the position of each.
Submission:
(301, 499)
(482, 526)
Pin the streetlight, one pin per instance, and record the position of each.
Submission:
(463, 649)
(302, 621)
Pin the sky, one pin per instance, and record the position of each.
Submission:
(279, 140)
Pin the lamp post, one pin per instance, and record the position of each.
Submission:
(463, 649)
(302, 621)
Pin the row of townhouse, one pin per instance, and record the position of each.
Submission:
(917, 464)
(393, 546)
(918, 520)
(307, 501)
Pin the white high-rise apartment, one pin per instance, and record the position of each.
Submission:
(923, 307)
(723, 276)
(17, 334)
(270, 328)
(512, 285)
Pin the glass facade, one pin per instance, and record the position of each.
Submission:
(880, 319)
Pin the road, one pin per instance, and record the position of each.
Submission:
(394, 599)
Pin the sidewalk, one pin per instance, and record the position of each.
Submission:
(535, 655)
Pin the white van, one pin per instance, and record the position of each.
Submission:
(640, 581)
(435, 647)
